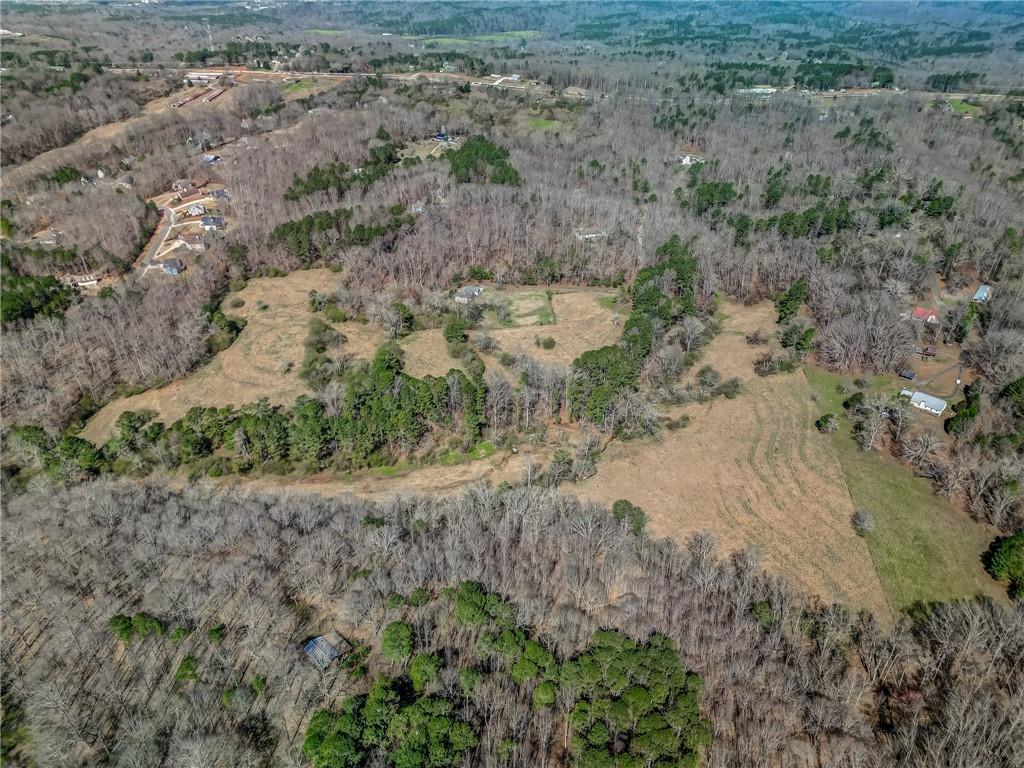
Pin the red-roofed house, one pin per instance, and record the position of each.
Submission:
(927, 314)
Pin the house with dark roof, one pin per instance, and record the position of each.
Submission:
(210, 223)
(172, 266)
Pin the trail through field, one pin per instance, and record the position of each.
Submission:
(434, 479)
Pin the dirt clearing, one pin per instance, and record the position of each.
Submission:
(263, 362)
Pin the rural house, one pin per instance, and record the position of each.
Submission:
(933, 405)
(983, 294)
(172, 266)
(196, 209)
(211, 223)
(193, 242)
(926, 314)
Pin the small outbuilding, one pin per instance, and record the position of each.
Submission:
(908, 374)
(586, 234)
(686, 159)
(926, 314)
(983, 294)
(467, 294)
(928, 403)
(324, 650)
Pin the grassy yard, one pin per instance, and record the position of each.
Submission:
(963, 108)
(922, 547)
(300, 85)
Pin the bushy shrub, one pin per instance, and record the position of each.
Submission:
(396, 641)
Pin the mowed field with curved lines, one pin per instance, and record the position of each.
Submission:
(754, 472)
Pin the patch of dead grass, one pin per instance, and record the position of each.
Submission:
(263, 361)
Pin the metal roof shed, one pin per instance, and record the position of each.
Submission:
(323, 650)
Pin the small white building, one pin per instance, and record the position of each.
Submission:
(689, 159)
(983, 294)
(468, 294)
(589, 234)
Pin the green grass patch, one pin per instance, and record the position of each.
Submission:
(962, 107)
(325, 31)
(494, 37)
(481, 450)
(922, 548)
(543, 124)
(299, 86)
(390, 470)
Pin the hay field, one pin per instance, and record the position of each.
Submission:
(262, 362)
(752, 471)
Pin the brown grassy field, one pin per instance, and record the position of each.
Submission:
(754, 472)
(263, 361)
(581, 322)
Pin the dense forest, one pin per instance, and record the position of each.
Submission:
(147, 627)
